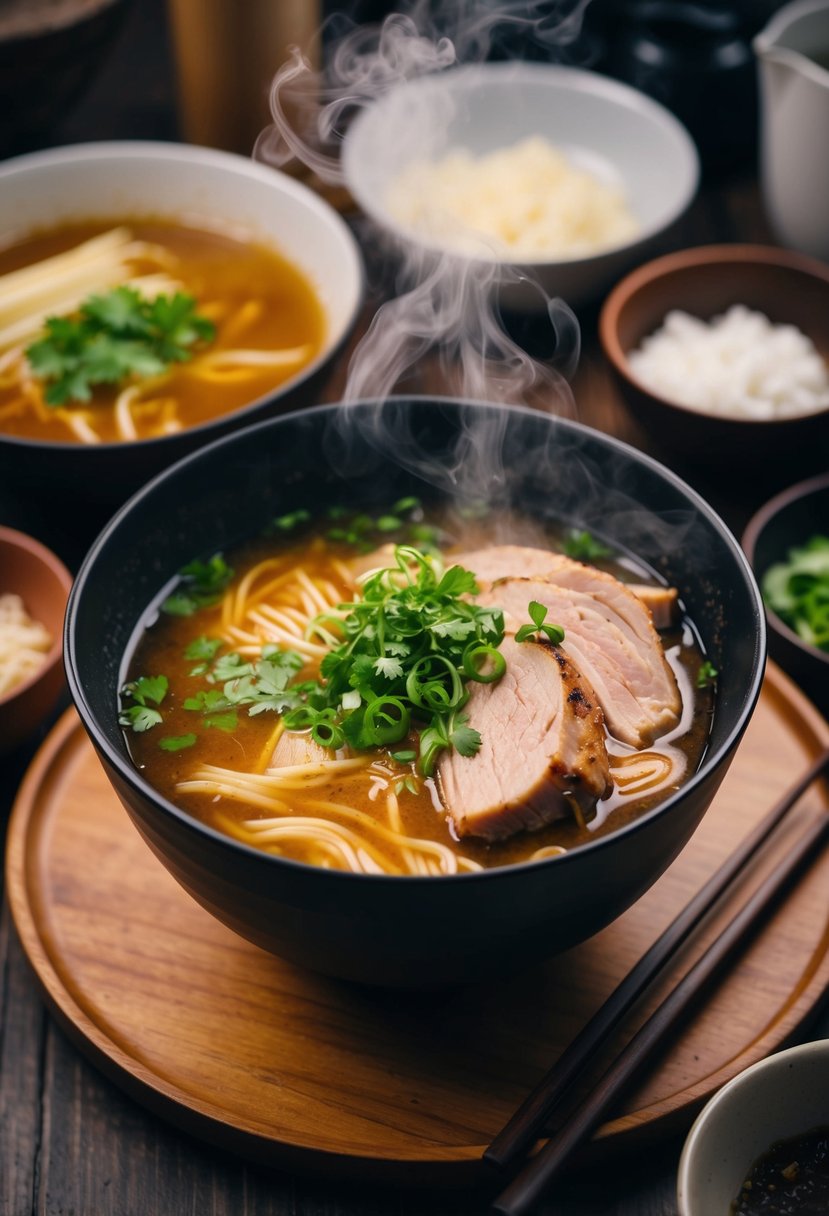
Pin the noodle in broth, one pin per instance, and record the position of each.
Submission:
(365, 811)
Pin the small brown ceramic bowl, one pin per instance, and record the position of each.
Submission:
(787, 521)
(787, 287)
(30, 570)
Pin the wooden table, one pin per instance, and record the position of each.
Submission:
(70, 1143)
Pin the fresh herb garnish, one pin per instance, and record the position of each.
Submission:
(363, 531)
(538, 615)
(798, 591)
(203, 648)
(584, 547)
(287, 523)
(202, 584)
(114, 337)
(140, 716)
(176, 743)
(707, 674)
(409, 647)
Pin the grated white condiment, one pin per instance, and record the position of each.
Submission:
(23, 643)
(526, 200)
(738, 365)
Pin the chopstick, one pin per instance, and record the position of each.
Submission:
(527, 1124)
(531, 1182)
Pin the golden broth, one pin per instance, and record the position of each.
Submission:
(276, 585)
(257, 300)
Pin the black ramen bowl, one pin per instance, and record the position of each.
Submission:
(413, 931)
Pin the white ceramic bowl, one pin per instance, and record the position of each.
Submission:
(200, 186)
(620, 135)
(781, 1097)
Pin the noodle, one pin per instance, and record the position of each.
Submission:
(24, 643)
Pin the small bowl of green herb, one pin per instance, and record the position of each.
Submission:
(787, 543)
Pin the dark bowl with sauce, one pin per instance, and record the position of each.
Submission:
(414, 931)
(768, 1126)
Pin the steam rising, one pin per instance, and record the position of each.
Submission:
(446, 307)
(445, 314)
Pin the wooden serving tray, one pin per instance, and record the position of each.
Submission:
(299, 1071)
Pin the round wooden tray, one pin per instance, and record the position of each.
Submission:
(303, 1072)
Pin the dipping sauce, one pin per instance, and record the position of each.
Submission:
(791, 1179)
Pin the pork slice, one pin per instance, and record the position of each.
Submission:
(611, 640)
(661, 602)
(506, 561)
(297, 747)
(542, 751)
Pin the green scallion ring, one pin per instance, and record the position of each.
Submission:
(328, 734)
(474, 658)
(386, 720)
(421, 692)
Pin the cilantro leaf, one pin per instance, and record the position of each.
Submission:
(203, 648)
(147, 688)
(202, 585)
(465, 739)
(176, 743)
(707, 674)
(227, 721)
(115, 337)
(584, 547)
(139, 718)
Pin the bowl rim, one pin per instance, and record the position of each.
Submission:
(234, 164)
(133, 778)
(755, 526)
(46, 557)
(688, 259)
(696, 1136)
(579, 80)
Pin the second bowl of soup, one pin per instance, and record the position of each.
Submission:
(152, 297)
(420, 690)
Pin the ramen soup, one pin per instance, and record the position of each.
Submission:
(194, 324)
(380, 695)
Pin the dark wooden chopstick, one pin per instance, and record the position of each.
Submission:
(527, 1187)
(527, 1124)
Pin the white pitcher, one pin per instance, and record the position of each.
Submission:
(793, 51)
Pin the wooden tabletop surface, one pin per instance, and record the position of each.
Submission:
(71, 1144)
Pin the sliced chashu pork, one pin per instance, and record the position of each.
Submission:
(609, 632)
(542, 749)
(523, 561)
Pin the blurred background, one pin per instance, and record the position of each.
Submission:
(205, 65)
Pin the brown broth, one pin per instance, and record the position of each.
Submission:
(222, 273)
(160, 650)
